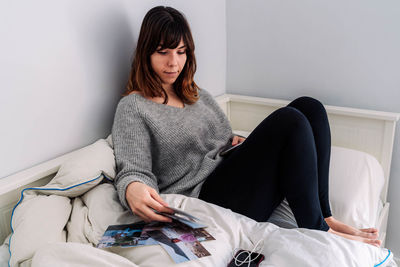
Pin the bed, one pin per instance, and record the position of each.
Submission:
(68, 199)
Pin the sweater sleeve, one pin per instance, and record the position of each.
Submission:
(132, 149)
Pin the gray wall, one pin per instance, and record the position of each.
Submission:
(64, 64)
(345, 53)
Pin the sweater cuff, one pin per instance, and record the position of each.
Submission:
(123, 184)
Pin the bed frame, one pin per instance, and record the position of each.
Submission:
(364, 130)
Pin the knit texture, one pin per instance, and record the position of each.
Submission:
(168, 148)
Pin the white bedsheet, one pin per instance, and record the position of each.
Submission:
(4, 253)
(99, 207)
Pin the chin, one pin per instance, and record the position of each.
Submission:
(169, 82)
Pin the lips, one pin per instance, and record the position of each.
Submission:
(172, 75)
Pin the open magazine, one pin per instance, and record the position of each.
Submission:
(181, 238)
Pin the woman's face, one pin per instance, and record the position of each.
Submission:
(168, 63)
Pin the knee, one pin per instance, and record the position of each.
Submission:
(308, 102)
(313, 109)
(285, 122)
(292, 118)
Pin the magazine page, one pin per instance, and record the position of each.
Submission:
(181, 248)
(180, 238)
(125, 235)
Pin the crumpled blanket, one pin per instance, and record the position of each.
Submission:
(61, 223)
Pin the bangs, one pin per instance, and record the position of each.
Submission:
(171, 35)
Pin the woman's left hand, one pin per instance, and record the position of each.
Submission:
(237, 139)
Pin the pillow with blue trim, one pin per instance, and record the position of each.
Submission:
(85, 169)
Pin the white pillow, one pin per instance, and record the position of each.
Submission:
(356, 180)
(44, 216)
(83, 170)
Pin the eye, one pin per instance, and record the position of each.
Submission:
(182, 52)
(162, 52)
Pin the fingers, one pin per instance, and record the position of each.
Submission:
(160, 204)
(148, 215)
(152, 216)
(144, 201)
(235, 140)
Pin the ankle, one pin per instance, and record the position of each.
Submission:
(330, 221)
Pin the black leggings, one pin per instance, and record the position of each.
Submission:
(287, 155)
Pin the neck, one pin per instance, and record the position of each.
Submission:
(169, 89)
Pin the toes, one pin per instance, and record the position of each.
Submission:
(369, 230)
(374, 242)
(369, 233)
(372, 236)
(377, 242)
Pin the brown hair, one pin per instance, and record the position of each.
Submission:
(166, 26)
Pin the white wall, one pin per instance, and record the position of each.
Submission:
(345, 53)
(64, 64)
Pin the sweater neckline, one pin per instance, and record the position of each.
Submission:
(159, 104)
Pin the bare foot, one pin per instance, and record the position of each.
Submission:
(374, 242)
(338, 226)
(372, 231)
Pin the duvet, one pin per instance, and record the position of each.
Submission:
(60, 224)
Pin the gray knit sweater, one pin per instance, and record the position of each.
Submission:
(168, 148)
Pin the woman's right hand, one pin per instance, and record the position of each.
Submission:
(142, 199)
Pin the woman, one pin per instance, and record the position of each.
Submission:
(168, 133)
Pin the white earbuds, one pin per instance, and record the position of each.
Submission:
(248, 259)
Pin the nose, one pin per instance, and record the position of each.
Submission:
(172, 60)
